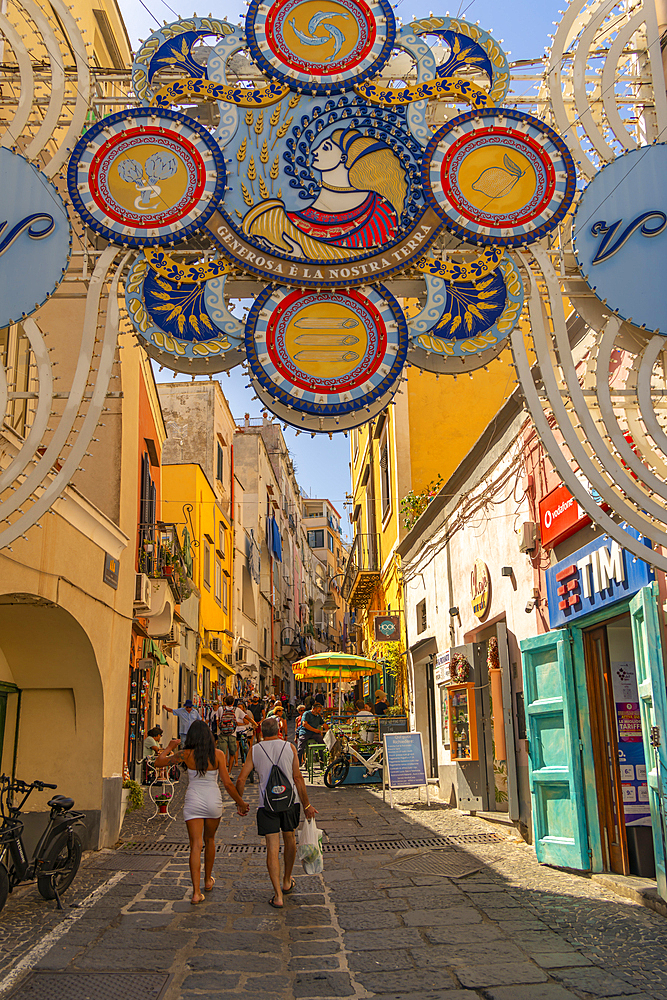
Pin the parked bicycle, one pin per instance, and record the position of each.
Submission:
(344, 753)
(57, 855)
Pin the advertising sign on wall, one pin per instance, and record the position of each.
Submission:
(480, 589)
(599, 574)
(560, 516)
(387, 628)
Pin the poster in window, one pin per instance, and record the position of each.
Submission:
(444, 716)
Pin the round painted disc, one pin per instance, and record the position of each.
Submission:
(186, 326)
(326, 352)
(323, 425)
(35, 238)
(146, 178)
(499, 177)
(322, 46)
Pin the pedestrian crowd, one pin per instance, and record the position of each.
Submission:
(209, 744)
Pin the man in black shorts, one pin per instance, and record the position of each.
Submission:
(274, 750)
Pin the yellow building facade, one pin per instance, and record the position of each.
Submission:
(190, 502)
(433, 424)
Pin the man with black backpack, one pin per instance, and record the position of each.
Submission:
(282, 792)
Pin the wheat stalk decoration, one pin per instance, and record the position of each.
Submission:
(275, 118)
(240, 156)
(273, 173)
(264, 153)
(252, 173)
(247, 196)
(259, 127)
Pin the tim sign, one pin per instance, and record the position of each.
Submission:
(560, 516)
(599, 574)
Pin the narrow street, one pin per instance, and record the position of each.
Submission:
(378, 922)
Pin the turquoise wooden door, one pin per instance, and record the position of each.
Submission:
(556, 783)
(653, 709)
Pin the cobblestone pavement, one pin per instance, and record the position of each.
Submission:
(510, 930)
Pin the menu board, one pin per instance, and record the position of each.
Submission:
(404, 755)
(392, 724)
(632, 764)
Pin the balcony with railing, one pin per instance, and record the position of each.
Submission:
(362, 572)
(163, 557)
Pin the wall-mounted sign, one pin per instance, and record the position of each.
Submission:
(443, 673)
(387, 628)
(480, 589)
(560, 516)
(35, 238)
(597, 575)
(111, 570)
(620, 236)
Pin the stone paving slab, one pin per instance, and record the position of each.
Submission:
(514, 931)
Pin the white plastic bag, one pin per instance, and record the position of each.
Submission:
(329, 739)
(309, 851)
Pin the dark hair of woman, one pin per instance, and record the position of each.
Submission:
(155, 731)
(200, 741)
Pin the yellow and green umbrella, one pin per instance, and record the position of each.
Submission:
(335, 666)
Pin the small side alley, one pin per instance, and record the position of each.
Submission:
(378, 922)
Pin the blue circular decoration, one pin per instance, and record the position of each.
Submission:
(35, 238)
(475, 322)
(498, 177)
(320, 46)
(324, 192)
(620, 236)
(183, 325)
(144, 177)
(326, 352)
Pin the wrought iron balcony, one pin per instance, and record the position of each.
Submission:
(362, 572)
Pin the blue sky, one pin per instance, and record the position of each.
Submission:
(524, 26)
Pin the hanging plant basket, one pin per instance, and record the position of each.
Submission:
(460, 668)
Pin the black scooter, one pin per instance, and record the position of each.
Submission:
(57, 855)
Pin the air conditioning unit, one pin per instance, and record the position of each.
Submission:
(174, 637)
(240, 654)
(215, 645)
(527, 536)
(142, 593)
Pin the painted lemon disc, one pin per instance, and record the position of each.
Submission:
(499, 176)
(144, 178)
(322, 46)
(326, 352)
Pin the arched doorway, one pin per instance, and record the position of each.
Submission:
(52, 716)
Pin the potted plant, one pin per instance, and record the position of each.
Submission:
(132, 797)
(162, 801)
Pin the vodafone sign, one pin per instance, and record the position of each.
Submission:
(560, 516)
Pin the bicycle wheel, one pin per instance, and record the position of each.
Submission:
(4, 885)
(64, 857)
(336, 773)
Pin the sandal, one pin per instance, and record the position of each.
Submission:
(196, 902)
(208, 888)
(276, 906)
(286, 892)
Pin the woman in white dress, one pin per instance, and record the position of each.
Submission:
(202, 809)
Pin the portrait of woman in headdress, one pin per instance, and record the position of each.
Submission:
(359, 206)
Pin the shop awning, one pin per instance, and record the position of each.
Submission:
(152, 649)
(332, 666)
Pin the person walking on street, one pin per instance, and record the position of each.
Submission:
(273, 750)
(186, 716)
(245, 726)
(311, 730)
(227, 731)
(257, 711)
(202, 809)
